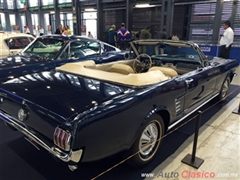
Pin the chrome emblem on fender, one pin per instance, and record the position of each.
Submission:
(1, 100)
(22, 115)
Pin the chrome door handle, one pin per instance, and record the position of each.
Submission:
(188, 81)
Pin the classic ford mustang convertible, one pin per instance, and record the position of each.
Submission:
(85, 111)
(48, 52)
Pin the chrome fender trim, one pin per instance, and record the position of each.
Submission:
(73, 156)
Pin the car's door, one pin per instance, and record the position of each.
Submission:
(200, 87)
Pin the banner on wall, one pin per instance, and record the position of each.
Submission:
(16, 28)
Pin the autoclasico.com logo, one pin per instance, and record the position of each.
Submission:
(189, 174)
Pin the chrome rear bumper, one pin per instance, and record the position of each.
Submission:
(73, 156)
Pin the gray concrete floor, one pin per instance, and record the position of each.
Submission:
(218, 145)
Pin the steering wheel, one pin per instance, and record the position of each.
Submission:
(139, 66)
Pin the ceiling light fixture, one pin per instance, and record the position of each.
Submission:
(143, 5)
(90, 9)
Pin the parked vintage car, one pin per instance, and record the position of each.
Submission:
(13, 43)
(48, 52)
(85, 111)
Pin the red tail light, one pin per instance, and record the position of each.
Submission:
(62, 139)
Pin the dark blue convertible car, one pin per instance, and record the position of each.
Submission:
(48, 52)
(85, 111)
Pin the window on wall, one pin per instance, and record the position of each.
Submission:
(70, 21)
(46, 22)
(19, 5)
(33, 3)
(2, 22)
(1, 4)
(12, 19)
(236, 23)
(226, 14)
(23, 21)
(35, 23)
(201, 25)
(10, 4)
(47, 2)
(64, 1)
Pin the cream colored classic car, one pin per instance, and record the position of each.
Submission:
(13, 43)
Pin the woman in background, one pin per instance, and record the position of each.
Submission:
(90, 34)
(40, 30)
(65, 32)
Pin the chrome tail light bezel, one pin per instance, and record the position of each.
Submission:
(62, 139)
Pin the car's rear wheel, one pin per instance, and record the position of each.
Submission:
(147, 142)
(224, 89)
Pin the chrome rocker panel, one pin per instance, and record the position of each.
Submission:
(73, 156)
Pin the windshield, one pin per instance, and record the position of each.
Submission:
(45, 48)
(173, 51)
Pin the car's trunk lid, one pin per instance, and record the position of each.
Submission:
(63, 94)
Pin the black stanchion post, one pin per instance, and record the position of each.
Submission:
(189, 159)
(237, 111)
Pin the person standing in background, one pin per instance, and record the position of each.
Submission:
(68, 30)
(226, 40)
(145, 33)
(112, 35)
(59, 30)
(175, 38)
(90, 34)
(123, 36)
(27, 30)
(64, 31)
(40, 30)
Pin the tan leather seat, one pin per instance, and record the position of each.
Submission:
(121, 69)
(165, 70)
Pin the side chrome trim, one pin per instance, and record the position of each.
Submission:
(74, 156)
(174, 124)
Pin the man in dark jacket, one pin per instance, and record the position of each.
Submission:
(59, 30)
(123, 37)
(145, 33)
(112, 35)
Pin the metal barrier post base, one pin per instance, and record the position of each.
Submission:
(196, 163)
(237, 111)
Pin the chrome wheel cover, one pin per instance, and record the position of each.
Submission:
(148, 142)
(225, 88)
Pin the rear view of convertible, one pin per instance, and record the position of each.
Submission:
(84, 111)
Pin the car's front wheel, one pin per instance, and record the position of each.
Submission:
(224, 89)
(147, 142)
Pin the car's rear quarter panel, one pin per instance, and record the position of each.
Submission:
(114, 127)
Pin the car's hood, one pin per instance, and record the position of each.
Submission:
(61, 93)
(218, 61)
(20, 59)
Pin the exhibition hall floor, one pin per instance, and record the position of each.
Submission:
(218, 145)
